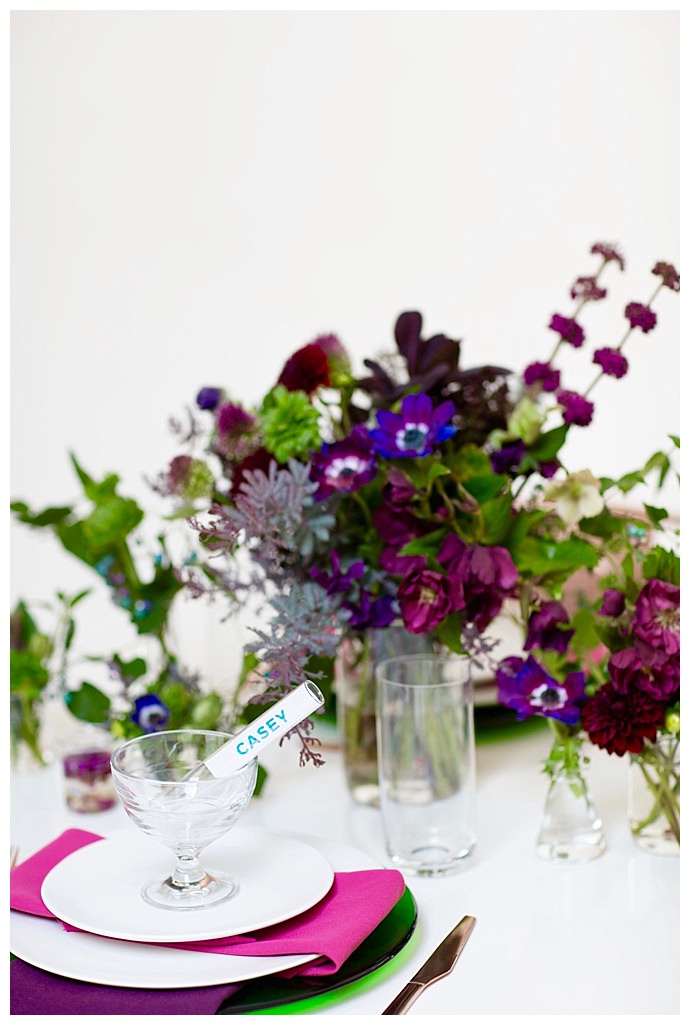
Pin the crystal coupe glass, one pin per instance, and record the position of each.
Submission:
(154, 779)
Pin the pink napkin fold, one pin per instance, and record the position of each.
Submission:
(356, 903)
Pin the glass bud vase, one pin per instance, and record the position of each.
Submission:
(654, 796)
(571, 829)
(355, 691)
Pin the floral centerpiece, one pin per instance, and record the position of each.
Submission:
(439, 496)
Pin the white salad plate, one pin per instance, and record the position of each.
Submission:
(43, 942)
(97, 888)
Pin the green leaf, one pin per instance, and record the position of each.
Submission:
(88, 703)
(426, 545)
(549, 444)
(449, 633)
(539, 556)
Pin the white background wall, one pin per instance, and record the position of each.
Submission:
(194, 195)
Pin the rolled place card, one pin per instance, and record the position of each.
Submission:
(272, 724)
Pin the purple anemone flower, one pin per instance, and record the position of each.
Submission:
(371, 613)
(612, 362)
(640, 316)
(414, 431)
(337, 582)
(344, 466)
(577, 409)
(526, 687)
(150, 714)
(545, 628)
(569, 330)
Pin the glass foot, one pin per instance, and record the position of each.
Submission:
(207, 893)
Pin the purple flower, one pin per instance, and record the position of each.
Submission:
(587, 290)
(544, 374)
(526, 687)
(306, 370)
(613, 603)
(425, 601)
(621, 722)
(669, 275)
(208, 398)
(344, 466)
(508, 458)
(609, 253)
(640, 316)
(396, 528)
(577, 409)
(628, 673)
(150, 714)
(569, 330)
(232, 419)
(337, 582)
(371, 614)
(656, 621)
(544, 628)
(612, 362)
(549, 467)
(414, 431)
(482, 575)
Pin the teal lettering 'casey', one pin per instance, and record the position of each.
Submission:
(262, 733)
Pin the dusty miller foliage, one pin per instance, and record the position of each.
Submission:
(274, 518)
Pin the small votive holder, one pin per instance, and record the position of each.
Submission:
(88, 782)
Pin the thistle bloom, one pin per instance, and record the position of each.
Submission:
(344, 466)
(612, 362)
(526, 687)
(640, 316)
(577, 410)
(414, 431)
(569, 330)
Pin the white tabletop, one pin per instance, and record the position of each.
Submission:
(550, 938)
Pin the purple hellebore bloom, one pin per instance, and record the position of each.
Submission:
(613, 603)
(656, 621)
(569, 330)
(577, 410)
(612, 362)
(544, 374)
(344, 466)
(640, 316)
(208, 398)
(629, 674)
(527, 688)
(425, 601)
(482, 576)
(398, 490)
(150, 713)
(544, 629)
(396, 528)
(414, 431)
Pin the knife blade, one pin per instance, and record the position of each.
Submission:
(437, 966)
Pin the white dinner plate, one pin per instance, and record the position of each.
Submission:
(43, 943)
(97, 888)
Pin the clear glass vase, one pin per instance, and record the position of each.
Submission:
(571, 829)
(355, 691)
(654, 796)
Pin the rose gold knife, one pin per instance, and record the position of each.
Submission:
(441, 963)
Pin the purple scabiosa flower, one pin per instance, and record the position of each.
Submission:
(569, 330)
(543, 374)
(414, 431)
(668, 274)
(640, 316)
(306, 370)
(371, 613)
(424, 598)
(545, 628)
(621, 722)
(508, 458)
(609, 252)
(232, 419)
(208, 398)
(656, 621)
(344, 466)
(526, 687)
(612, 362)
(337, 582)
(150, 714)
(577, 410)
(587, 290)
(482, 577)
(613, 603)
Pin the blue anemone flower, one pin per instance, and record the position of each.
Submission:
(415, 430)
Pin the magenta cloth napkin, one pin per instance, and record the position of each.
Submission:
(356, 903)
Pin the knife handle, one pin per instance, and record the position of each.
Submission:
(405, 998)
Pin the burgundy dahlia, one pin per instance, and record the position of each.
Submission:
(621, 722)
(306, 370)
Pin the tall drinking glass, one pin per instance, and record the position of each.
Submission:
(427, 762)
